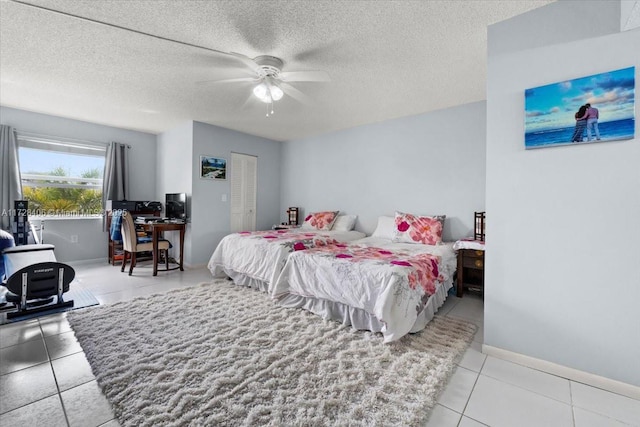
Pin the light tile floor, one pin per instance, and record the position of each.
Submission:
(45, 379)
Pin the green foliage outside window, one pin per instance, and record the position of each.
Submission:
(44, 199)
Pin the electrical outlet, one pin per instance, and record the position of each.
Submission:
(224, 197)
(74, 238)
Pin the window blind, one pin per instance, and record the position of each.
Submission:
(63, 145)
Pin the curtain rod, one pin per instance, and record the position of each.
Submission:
(64, 139)
(59, 138)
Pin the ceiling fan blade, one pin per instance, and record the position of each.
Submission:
(247, 61)
(257, 27)
(305, 76)
(295, 94)
(238, 80)
(247, 102)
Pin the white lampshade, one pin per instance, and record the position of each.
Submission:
(276, 93)
(260, 92)
(267, 91)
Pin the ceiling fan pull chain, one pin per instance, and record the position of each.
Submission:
(270, 107)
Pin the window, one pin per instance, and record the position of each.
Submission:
(61, 177)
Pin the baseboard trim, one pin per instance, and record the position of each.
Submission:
(587, 378)
(87, 261)
(194, 266)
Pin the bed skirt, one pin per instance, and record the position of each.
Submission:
(245, 280)
(358, 318)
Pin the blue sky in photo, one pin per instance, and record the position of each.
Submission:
(553, 106)
(214, 162)
(42, 161)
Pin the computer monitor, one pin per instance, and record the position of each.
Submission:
(175, 206)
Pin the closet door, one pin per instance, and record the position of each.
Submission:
(244, 172)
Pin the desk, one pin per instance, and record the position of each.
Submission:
(157, 228)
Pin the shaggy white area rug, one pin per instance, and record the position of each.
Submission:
(223, 355)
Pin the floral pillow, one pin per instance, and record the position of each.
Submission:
(418, 229)
(320, 220)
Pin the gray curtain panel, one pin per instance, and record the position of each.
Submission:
(115, 184)
(10, 181)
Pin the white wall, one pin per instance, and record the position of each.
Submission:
(562, 276)
(629, 14)
(431, 164)
(210, 216)
(175, 148)
(173, 175)
(92, 241)
(559, 22)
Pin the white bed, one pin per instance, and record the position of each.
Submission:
(373, 283)
(255, 259)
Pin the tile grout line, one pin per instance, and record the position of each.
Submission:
(30, 366)
(6, 325)
(571, 382)
(30, 403)
(473, 388)
(526, 389)
(55, 377)
(609, 417)
(573, 408)
(470, 394)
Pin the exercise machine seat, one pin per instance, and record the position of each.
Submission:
(34, 278)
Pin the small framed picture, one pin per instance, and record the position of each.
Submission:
(213, 168)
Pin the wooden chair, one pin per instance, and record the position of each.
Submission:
(480, 222)
(132, 246)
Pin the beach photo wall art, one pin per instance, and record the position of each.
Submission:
(213, 167)
(597, 108)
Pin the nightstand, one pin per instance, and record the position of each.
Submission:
(470, 273)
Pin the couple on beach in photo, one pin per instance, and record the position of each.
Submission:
(586, 118)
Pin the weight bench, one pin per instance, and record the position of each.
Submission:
(36, 281)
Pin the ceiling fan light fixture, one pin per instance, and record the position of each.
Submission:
(276, 93)
(261, 92)
(268, 92)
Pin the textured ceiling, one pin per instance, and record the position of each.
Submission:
(386, 59)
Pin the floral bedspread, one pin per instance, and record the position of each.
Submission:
(393, 284)
(292, 240)
(420, 269)
(261, 255)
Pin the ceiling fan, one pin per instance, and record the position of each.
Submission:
(271, 83)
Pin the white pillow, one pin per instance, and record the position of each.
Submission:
(345, 223)
(386, 227)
